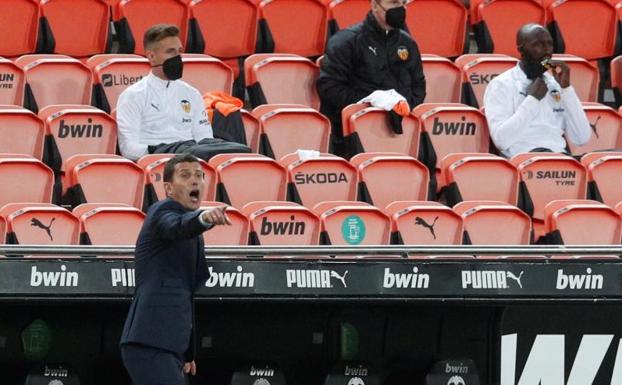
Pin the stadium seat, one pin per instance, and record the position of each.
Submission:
(603, 170)
(586, 28)
(285, 129)
(352, 223)
(468, 177)
(494, 223)
(615, 70)
(153, 166)
(133, 17)
(22, 132)
(314, 180)
(368, 130)
(606, 126)
(40, 224)
(102, 224)
(294, 26)
(2, 230)
(450, 128)
(113, 74)
(24, 179)
(478, 71)
(72, 130)
(584, 76)
(232, 235)
(244, 178)
(281, 223)
(345, 13)
(251, 129)
(424, 223)
(103, 179)
(19, 24)
(207, 74)
(443, 80)
(78, 28)
(281, 79)
(11, 83)
(438, 26)
(55, 80)
(385, 178)
(498, 21)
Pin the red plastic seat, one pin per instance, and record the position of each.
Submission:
(234, 234)
(606, 126)
(494, 223)
(566, 222)
(386, 178)
(36, 224)
(424, 223)
(584, 76)
(370, 129)
(12, 83)
(207, 74)
(19, 24)
(353, 223)
(287, 129)
(22, 132)
(345, 13)
(24, 179)
(251, 129)
(315, 180)
(109, 224)
(477, 71)
(443, 80)
(603, 170)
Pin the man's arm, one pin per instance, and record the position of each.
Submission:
(173, 224)
(129, 114)
(578, 129)
(201, 127)
(503, 122)
(418, 81)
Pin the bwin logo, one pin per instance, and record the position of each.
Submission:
(414, 280)
(57, 278)
(587, 281)
(88, 130)
(267, 372)
(282, 228)
(453, 128)
(456, 380)
(236, 279)
(55, 372)
(322, 178)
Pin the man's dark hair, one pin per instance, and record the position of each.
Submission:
(159, 32)
(169, 168)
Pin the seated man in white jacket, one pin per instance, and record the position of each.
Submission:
(161, 113)
(530, 108)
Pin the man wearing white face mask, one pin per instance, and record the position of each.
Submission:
(161, 113)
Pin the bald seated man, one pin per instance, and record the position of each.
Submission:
(530, 108)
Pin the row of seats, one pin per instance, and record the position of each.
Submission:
(230, 29)
(328, 223)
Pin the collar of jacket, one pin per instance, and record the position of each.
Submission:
(371, 24)
(158, 83)
(181, 207)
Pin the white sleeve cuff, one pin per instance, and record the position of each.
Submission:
(205, 224)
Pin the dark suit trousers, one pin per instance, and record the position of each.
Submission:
(152, 366)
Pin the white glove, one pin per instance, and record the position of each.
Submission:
(383, 99)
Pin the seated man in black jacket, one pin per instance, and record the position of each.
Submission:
(376, 54)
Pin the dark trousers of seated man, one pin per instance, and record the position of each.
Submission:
(205, 149)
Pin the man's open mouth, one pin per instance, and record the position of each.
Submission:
(194, 196)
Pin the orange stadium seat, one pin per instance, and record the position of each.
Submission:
(294, 26)
(615, 69)
(586, 28)
(385, 178)
(494, 223)
(314, 180)
(40, 224)
(19, 20)
(24, 179)
(72, 130)
(22, 132)
(285, 129)
(424, 223)
(603, 170)
(606, 126)
(443, 80)
(251, 130)
(232, 235)
(281, 79)
(499, 20)
(477, 71)
(11, 83)
(471, 177)
(584, 76)
(78, 28)
(244, 178)
(345, 13)
(112, 74)
(55, 79)
(133, 17)
(2, 230)
(102, 224)
(207, 74)
(103, 179)
(281, 223)
(153, 166)
(438, 26)
(368, 130)
(352, 223)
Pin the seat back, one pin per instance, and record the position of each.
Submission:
(21, 131)
(570, 219)
(584, 77)
(111, 225)
(251, 129)
(207, 74)
(494, 223)
(11, 83)
(42, 225)
(234, 234)
(443, 80)
(20, 22)
(424, 223)
(478, 71)
(25, 179)
(603, 170)
(114, 74)
(345, 224)
(606, 126)
(345, 13)
(275, 223)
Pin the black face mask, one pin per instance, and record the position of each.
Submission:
(173, 67)
(396, 17)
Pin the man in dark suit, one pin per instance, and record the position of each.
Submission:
(158, 344)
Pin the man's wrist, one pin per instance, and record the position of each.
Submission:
(203, 221)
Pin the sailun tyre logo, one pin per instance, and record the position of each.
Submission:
(238, 278)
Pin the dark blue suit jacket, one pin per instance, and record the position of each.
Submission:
(170, 266)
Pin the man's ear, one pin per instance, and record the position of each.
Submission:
(168, 188)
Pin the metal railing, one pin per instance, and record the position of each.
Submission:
(397, 250)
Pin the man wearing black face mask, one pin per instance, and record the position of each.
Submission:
(529, 108)
(375, 55)
(161, 113)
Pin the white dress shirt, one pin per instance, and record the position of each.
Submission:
(519, 123)
(154, 111)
